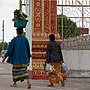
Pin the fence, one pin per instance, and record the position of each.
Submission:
(77, 43)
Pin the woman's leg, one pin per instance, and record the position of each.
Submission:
(14, 83)
(29, 83)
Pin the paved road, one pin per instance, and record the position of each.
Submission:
(0, 59)
(71, 83)
(5, 69)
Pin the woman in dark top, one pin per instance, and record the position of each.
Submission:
(55, 58)
(18, 54)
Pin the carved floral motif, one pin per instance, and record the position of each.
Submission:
(53, 15)
(37, 15)
(46, 15)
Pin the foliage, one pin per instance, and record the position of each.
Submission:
(5, 46)
(19, 15)
(69, 27)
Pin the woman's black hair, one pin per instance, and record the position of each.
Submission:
(52, 37)
(19, 30)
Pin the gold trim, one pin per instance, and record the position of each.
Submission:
(20, 76)
(32, 16)
(50, 17)
(42, 15)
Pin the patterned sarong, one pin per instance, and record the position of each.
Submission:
(19, 72)
(55, 76)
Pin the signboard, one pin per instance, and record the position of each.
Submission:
(83, 31)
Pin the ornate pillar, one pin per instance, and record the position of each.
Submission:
(53, 16)
(44, 23)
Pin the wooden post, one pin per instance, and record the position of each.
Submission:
(20, 5)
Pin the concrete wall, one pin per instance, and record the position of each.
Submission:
(78, 62)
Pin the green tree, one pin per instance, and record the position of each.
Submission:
(69, 27)
(5, 46)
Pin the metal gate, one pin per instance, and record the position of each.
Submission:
(75, 10)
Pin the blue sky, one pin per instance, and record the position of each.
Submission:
(7, 8)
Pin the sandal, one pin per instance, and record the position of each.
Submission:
(63, 83)
(13, 85)
(51, 85)
(29, 85)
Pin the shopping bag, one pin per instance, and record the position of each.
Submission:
(48, 68)
(64, 68)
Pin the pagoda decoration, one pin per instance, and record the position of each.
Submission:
(44, 23)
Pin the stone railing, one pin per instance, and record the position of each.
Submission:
(77, 43)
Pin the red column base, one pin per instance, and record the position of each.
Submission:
(37, 75)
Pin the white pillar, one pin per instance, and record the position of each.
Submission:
(29, 32)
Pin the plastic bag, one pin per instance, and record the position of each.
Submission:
(48, 68)
(64, 68)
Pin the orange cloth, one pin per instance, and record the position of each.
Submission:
(55, 76)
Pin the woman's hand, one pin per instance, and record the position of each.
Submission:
(3, 60)
(62, 62)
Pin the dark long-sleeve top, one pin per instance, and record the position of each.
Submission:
(53, 52)
(18, 50)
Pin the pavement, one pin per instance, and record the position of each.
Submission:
(71, 83)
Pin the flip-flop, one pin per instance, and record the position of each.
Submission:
(62, 83)
(50, 85)
(13, 85)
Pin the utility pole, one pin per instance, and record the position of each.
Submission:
(2, 40)
(3, 35)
